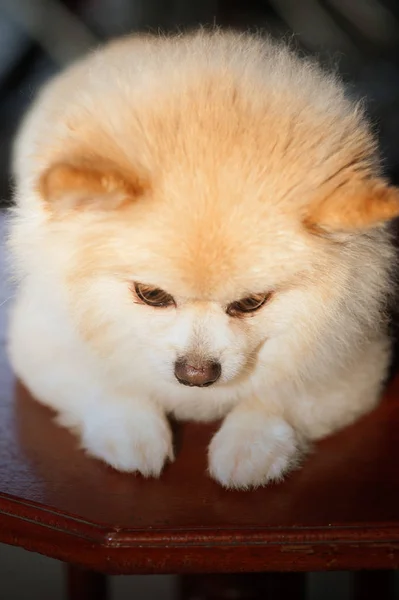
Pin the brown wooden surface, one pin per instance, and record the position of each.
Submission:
(341, 511)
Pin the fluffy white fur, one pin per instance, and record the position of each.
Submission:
(240, 140)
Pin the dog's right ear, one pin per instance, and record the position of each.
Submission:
(68, 187)
(359, 206)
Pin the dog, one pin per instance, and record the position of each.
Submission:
(201, 231)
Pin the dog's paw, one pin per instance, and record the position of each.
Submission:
(252, 449)
(131, 440)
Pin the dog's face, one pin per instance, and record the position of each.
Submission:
(229, 241)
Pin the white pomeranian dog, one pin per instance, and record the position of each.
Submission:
(200, 232)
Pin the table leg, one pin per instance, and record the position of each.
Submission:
(267, 586)
(370, 585)
(85, 585)
(287, 586)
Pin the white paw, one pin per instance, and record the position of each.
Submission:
(129, 439)
(252, 449)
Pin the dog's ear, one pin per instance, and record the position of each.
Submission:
(364, 205)
(66, 186)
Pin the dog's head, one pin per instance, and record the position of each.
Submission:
(215, 225)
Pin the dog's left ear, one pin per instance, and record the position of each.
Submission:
(70, 186)
(366, 204)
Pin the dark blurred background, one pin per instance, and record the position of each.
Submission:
(358, 37)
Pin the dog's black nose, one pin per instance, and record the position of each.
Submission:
(200, 373)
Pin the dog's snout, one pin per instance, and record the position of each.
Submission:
(200, 373)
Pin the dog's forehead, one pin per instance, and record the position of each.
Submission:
(221, 255)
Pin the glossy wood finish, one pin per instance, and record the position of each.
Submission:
(340, 511)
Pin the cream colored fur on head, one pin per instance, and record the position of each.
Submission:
(234, 185)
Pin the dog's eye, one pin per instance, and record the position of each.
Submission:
(248, 305)
(153, 296)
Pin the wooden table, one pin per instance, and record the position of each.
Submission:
(341, 511)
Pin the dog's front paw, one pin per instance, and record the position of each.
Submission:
(132, 440)
(252, 449)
